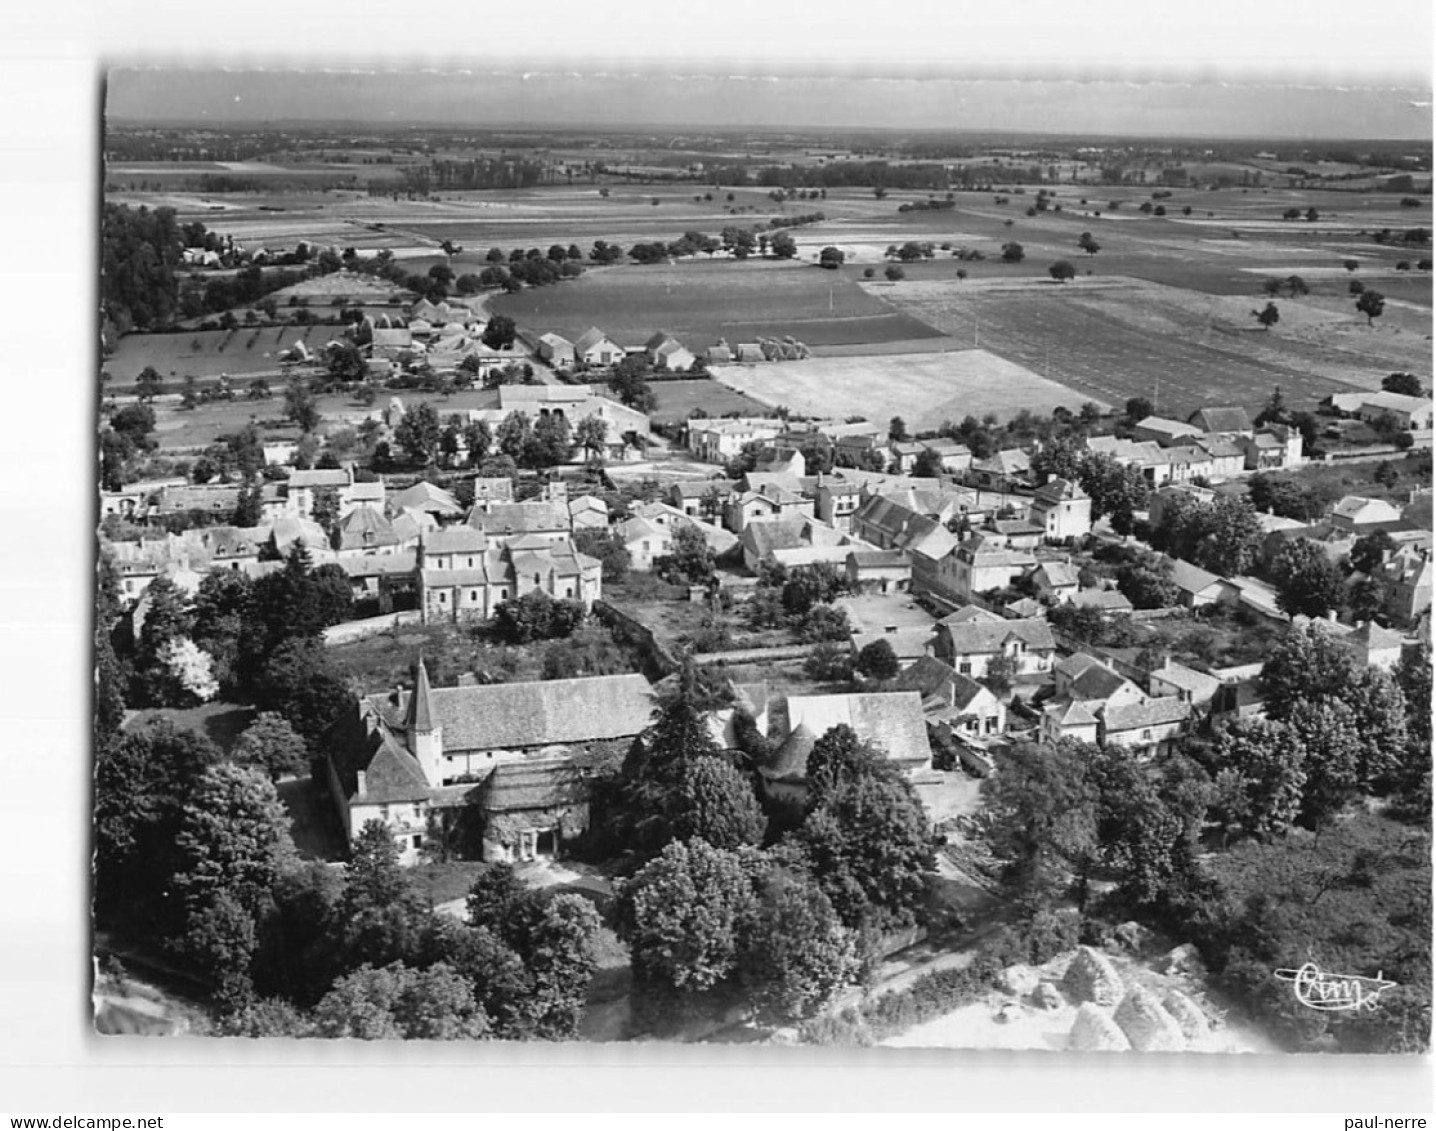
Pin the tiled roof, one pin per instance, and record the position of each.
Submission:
(981, 638)
(892, 721)
(1221, 420)
(553, 712)
(513, 518)
(1154, 712)
(456, 540)
(1167, 427)
(326, 477)
(970, 613)
(515, 786)
(588, 339)
(1109, 599)
(1011, 462)
(1371, 637)
(1058, 574)
(1068, 712)
(1058, 490)
(1190, 578)
(492, 572)
(931, 678)
(1188, 679)
(789, 762)
(878, 559)
(365, 526)
(379, 565)
(423, 495)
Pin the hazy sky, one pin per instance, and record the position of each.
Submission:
(1137, 105)
(1318, 68)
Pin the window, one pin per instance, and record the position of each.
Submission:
(384, 812)
(418, 842)
(443, 598)
(965, 668)
(1146, 734)
(419, 809)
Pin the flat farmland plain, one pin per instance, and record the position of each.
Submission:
(1113, 339)
(700, 302)
(924, 389)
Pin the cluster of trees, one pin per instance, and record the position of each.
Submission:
(689, 560)
(537, 616)
(1117, 490)
(1222, 535)
(127, 436)
(740, 243)
(256, 639)
(629, 381)
(710, 916)
(1160, 835)
(801, 599)
(141, 251)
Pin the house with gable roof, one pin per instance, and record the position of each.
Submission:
(1056, 581)
(1224, 421)
(667, 352)
(979, 564)
(594, 347)
(1062, 509)
(892, 722)
(1148, 728)
(1001, 471)
(558, 351)
(414, 759)
(1159, 430)
(970, 645)
(951, 699)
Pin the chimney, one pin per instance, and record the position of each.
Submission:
(360, 775)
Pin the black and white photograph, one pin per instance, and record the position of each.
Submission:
(811, 555)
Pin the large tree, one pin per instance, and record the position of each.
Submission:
(301, 681)
(1306, 664)
(231, 846)
(1117, 490)
(685, 916)
(1307, 581)
(419, 433)
(869, 844)
(143, 779)
(396, 1002)
(798, 954)
(689, 560)
(1259, 771)
(272, 746)
(1327, 730)
(715, 803)
(1042, 818)
(499, 332)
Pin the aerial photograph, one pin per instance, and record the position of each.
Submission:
(589, 555)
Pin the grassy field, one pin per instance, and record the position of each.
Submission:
(677, 400)
(924, 389)
(209, 353)
(702, 302)
(177, 427)
(1113, 339)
